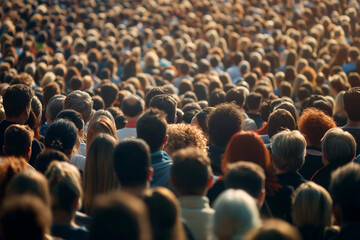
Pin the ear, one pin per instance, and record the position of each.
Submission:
(337, 214)
(76, 204)
(150, 174)
(261, 197)
(28, 153)
(165, 141)
(210, 182)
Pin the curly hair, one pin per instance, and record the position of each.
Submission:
(184, 135)
(313, 124)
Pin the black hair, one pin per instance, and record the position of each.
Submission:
(167, 104)
(73, 116)
(47, 156)
(16, 98)
(61, 135)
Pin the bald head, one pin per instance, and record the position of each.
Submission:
(132, 106)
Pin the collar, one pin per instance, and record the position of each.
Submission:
(131, 125)
(194, 202)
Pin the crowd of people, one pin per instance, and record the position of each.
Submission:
(180, 120)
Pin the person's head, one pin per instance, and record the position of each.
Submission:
(132, 106)
(351, 104)
(152, 93)
(344, 190)
(46, 157)
(223, 122)
(74, 117)
(184, 135)
(99, 169)
(18, 141)
(81, 102)
(151, 127)
(191, 173)
(61, 136)
(100, 124)
(25, 217)
(338, 147)
(166, 103)
(16, 101)
(313, 124)
(288, 150)
(247, 176)
(165, 215)
(275, 229)
(236, 95)
(236, 214)
(120, 215)
(311, 206)
(108, 93)
(280, 120)
(29, 182)
(253, 101)
(54, 107)
(132, 163)
(65, 187)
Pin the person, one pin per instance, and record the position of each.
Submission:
(132, 165)
(223, 122)
(311, 211)
(236, 214)
(53, 108)
(275, 229)
(132, 107)
(81, 102)
(344, 192)
(253, 104)
(151, 127)
(98, 174)
(249, 177)
(338, 147)
(17, 141)
(17, 105)
(66, 194)
(167, 104)
(165, 215)
(47, 156)
(120, 215)
(351, 108)
(191, 176)
(313, 124)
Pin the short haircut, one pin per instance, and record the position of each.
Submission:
(237, 95)
(47, 156)
(61, 135)
(344, 190)
(280, 120)
(55, 105)
(49, 91)
(152, 93)
(151, 127)
(81, 102)
(254, 100)
(223, 122)
(275, 229)
(288, 150)
(191, 171)
(216, 97)
(73, 116)
(351, 103)
(16, 98)
(338, 147)
(132, 162)
(286, 89)
(108, 93)
(247, 176)
(167, 104)
(311, 206)
(17, 140)
(98, 102)
(132, 106)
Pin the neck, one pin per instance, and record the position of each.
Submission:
(253, 111)
(352, 124)
(137, 191)
(62, 217)
(131, 119)
(15, 120)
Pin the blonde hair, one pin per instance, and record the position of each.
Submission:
(98, 125)
(99, 167)
(311, 205)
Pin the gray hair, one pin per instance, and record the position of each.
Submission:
(288, 150)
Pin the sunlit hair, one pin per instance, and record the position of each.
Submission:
(248, 146)
(311, 205)
(99, 169)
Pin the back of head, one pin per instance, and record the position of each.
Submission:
(25, 217)
(344, 190)
(47, 156)
(236, 214)
(280, 120)
(132, 162)
(61, 136)
(16, 98)
(236, 95)
(119, 215)
(167, 104)
(153, 92)
(151, 127)
(338, 147)
(65, 187)
(54, 107)
(254, 100)
(108, 93)
(247, 176)
(132, 106)
(311, 206)
(98, 125)
(276, 229)
(73, 116)
(223, 122)
(81, 102)
(351, 103)
(190, 172)
(17, 140)
(288, 150)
